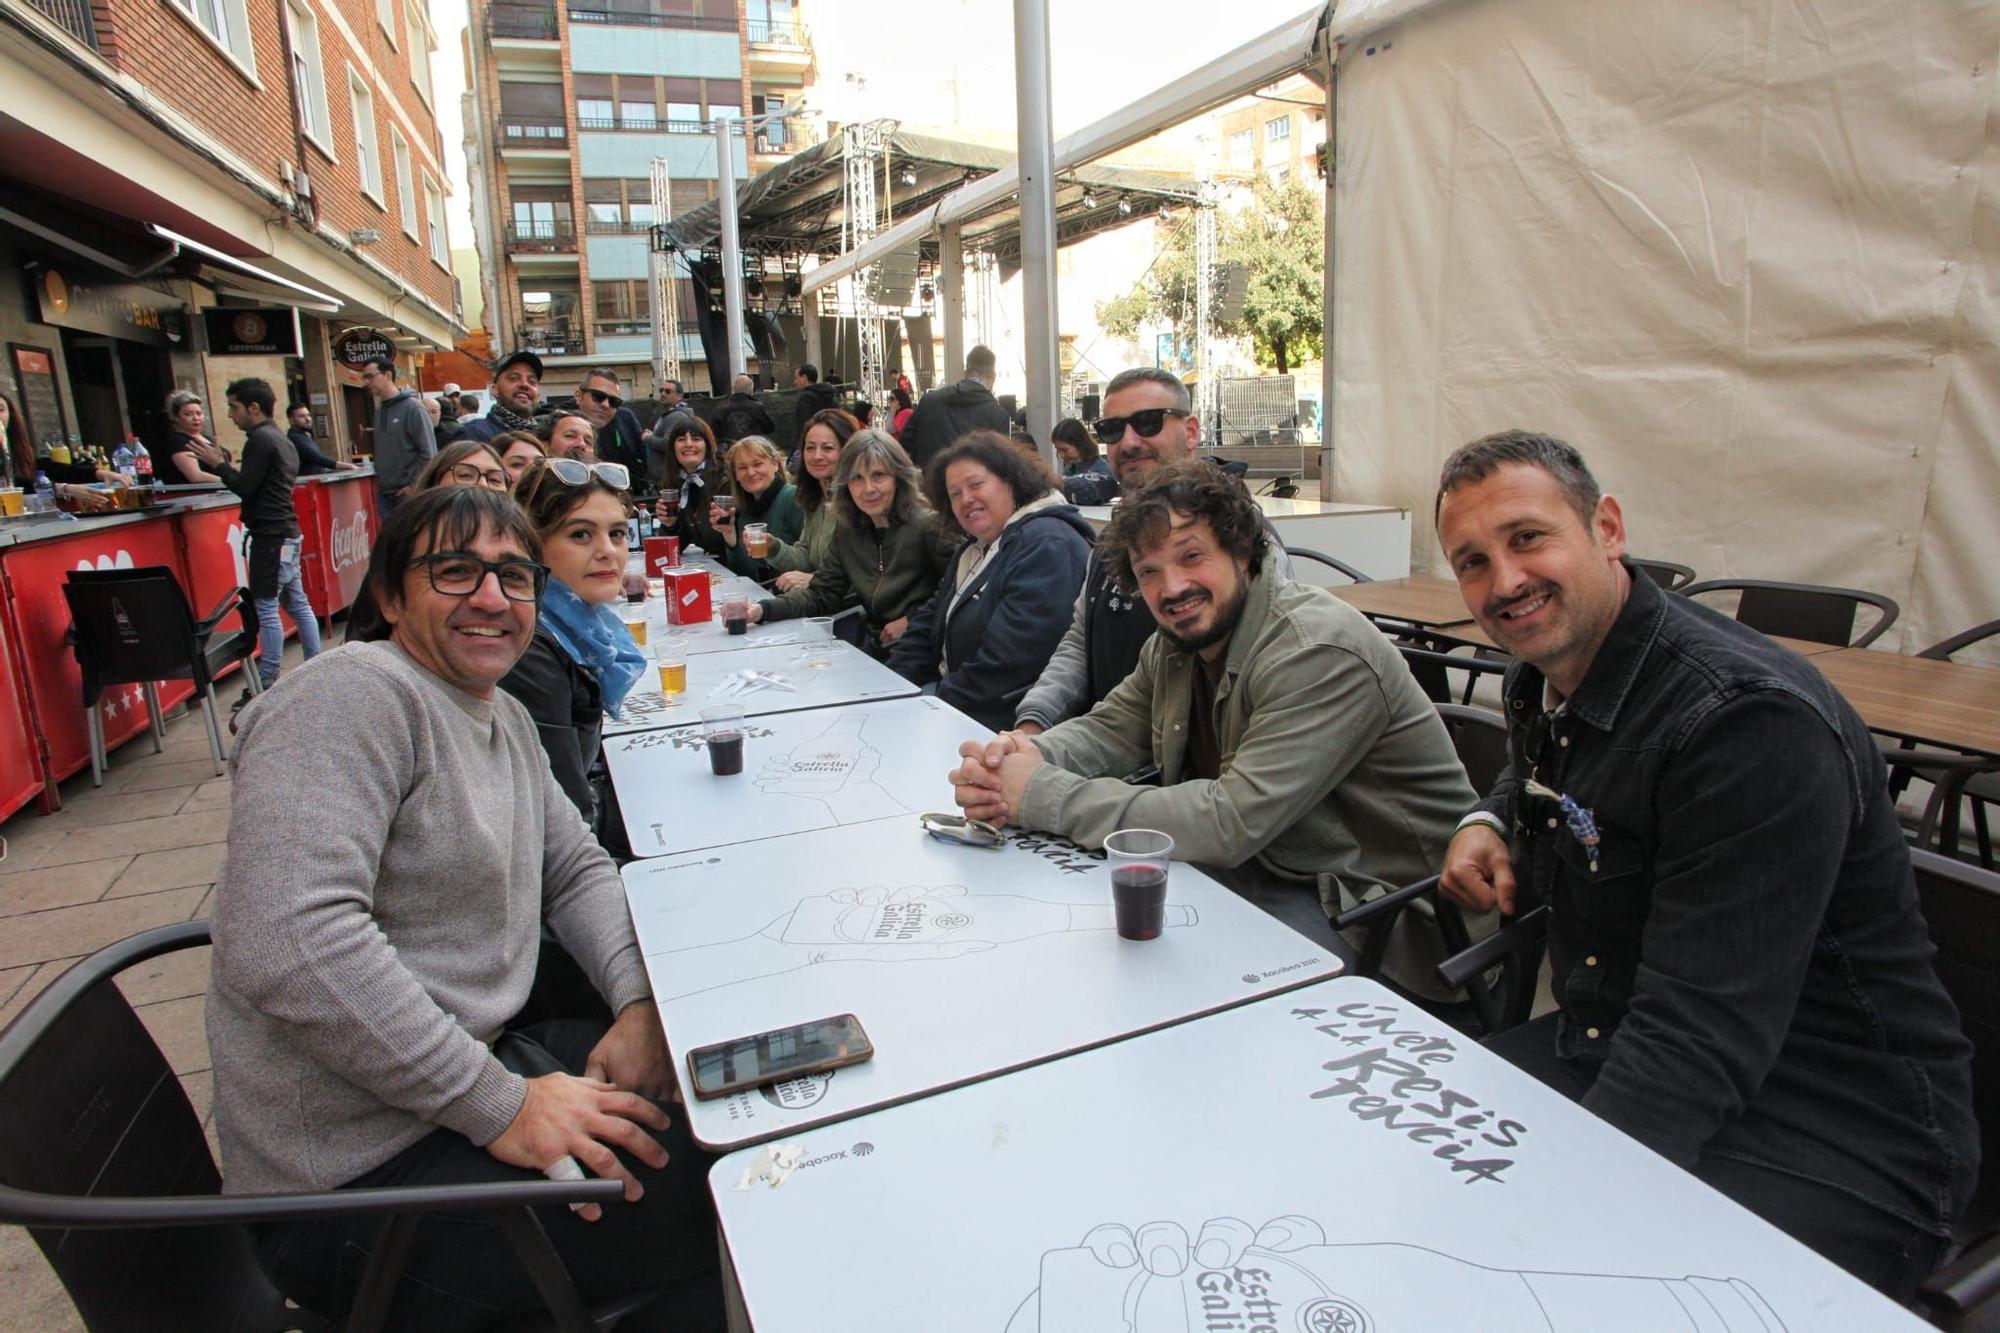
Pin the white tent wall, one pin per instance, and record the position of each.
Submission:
(1726, 247)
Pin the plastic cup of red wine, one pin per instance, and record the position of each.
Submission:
(1138, 860)
(722, 728)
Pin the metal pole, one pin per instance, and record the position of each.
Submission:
(1036, 155)
(732, 249)
(951, 301)
(1328, 309)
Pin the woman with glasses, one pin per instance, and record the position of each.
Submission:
(757, 481)
(465, 463)
(887, 552)
(826, 434)
(582, 661)
(518, 451)
(570, 435)
(689, 483)
(188, 419)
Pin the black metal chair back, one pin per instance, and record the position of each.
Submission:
(1669, 576)
(1803, 610)
(1944, 648)
(1961, 906)
(132, 626)
(1431, 669)
(1480, 737)
(1298, 553)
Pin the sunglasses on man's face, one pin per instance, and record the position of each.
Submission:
(610, 398)
(1146, 424)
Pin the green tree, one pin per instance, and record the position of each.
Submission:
(1164, 294)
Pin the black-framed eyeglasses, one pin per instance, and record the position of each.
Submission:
(603, 397)
(1146, 424)
(461, 574)
(576, 472)
(471, 474)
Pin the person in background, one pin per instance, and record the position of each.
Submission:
(270, 466)
(466, 463)
(582, 661)
(673, 403)
(814, 397)
(69, 481)
(986, 634)
(944, 416)
(404, 439)
(570, 435)
(887, 552)
(741, 413)
(693, 478)
(189, 420)
(517, 390)
(443, 423)
(620, 437)
(863, 412)
(756, 474)
(448, 403)
(311, 461)
(373, 945)
(826, 434)
(904, 407)
(519, 451)
(1087, 478)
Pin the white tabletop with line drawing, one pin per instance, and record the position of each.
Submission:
(760, 678)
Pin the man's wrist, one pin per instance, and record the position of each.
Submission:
(1486, 817)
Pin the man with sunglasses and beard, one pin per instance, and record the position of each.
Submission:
(1148, 422)
(620, 437)
(1295, 750)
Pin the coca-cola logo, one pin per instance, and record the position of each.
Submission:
(350, 542)
(122, 560)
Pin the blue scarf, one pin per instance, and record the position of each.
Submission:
(693, 481)
(596, 638)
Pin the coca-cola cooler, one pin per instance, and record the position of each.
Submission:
(337, 519)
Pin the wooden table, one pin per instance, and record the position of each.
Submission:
(1421, 599)
(1951, 704)
(1472, 634)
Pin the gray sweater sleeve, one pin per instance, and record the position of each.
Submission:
(294, 926)
(1058, 694)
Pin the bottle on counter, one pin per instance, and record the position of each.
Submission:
(121, 463)
(142, 461)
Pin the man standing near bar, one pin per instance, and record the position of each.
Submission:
(404, 439)
(517, 390)
(1743, 979)
(264, 480)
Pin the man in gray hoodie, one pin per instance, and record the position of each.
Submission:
(404, 437)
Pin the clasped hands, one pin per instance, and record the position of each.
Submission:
(992, 776)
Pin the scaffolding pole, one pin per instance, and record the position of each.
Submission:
(1035, 161)
(865, 145)
(665, 296)
(1204, 285)
(732, 248)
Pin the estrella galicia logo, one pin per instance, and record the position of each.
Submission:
(862, 1149)
(1334, 1315)
(1251, 978)
(795, 1094)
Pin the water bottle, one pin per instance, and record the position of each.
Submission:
(121, 462)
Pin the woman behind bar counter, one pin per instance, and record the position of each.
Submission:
(184, 411)
(70, 480)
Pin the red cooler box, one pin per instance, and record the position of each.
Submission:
(687, 596)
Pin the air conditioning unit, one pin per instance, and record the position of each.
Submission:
(303, 185)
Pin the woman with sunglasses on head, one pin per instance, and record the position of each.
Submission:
(465, 463)
(582, 661)
(887, 552)
(570, 435)
(762, 494)
(826, 434)
(519, 450)
(688, 485)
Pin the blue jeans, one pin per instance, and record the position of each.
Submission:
(271, 630)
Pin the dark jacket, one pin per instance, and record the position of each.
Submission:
(890, 573)
(264, 481)
(741, 414)
(618, 442)
(777, 509)
(813, 398)
(311, 461)
(1742, 960)
(994, 643)
(943, 415)
(1089, 483)
(568, 707)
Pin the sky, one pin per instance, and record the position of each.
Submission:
(876, 59)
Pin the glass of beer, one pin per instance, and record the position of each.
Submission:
(673, 675)
(635, 623)
(757, 540)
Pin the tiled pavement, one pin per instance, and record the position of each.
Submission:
(144, 850)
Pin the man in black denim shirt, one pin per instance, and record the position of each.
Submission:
(1744, 979)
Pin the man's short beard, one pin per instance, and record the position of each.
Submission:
(1227, 617)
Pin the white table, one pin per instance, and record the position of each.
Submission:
(801, 771)
(854, 677)
(969, 1210)
(961, 962)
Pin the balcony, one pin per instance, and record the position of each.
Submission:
(73, 16)
(533, 137)
(608, 17)
(527, 23)
(616, 227)
(641, 125)
(541, 238)
(555, 338)
(781, 138)
(763, 32)
(778, 48)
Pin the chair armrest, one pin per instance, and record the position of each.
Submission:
(1392, 901)
(206, 626)
(22, 1208)
(1460, 968)
(1967, 1282)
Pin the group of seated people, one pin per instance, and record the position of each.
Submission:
(1742, 978)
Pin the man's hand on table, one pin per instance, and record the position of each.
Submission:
(633, 1054)
(583, 1118)
(992, 776)
(1479, 870)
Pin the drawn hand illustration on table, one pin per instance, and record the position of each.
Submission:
(877, 925)
(1285, 1275)
(837, 769)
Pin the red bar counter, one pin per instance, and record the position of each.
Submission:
(338, 521)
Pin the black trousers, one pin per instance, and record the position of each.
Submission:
(1882, 1250)
(463, 1274)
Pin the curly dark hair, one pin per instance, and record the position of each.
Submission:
(549, 500)
(1188, 490)
(1028, 478)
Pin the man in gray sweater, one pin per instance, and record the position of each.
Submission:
(405, 439)
(373, 943)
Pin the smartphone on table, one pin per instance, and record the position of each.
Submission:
(770, 1057)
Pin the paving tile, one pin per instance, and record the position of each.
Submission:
(30, 837)
(124, 806)
(210, 795)
(178, 868)
(11, 980)
(205, 908)
(36, 983)
(68, 932)
(188, 830)
(171, 976)
(57, 886)
(167, 770)
(33, 1299)
(177, 1029)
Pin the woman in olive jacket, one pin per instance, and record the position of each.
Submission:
(888, 550)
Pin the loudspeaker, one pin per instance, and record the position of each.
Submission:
(1089, 407)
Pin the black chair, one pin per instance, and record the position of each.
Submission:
(1802, 610)
(1961, 905)
(103, 1159)
(1431, 668)
(1668, 575)
(1958, 778)
(1334, 563)
(134, 626)
(1942, 650)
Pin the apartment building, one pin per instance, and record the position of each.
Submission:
(570, 104)
(197, 190)
(1276, 134)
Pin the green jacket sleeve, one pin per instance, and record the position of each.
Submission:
(1314, 714)
(829, 591)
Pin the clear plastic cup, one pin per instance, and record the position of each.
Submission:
(817, 635)
(673, 675)
(1139, 860)
(722, 728)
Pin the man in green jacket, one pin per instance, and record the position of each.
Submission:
(1292, 743)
